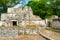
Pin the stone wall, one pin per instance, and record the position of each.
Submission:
(13, 32)
(55, 24)
(54, 21)
(1, 23)
(19, 14)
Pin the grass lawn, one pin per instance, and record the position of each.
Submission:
(53, 29)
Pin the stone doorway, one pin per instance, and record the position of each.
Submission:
(14, 23)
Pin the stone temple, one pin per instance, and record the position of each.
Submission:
(21, 16)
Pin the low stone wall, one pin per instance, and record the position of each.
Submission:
(13, 32)
(55, 24)
(28, 31)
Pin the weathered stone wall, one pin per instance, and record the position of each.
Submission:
(13, 32)
(55, 24)
(54, 21)
(1, 23)
(20, 14)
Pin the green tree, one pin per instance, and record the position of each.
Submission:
(8, 3)
(45, 8)
(41, 9)
(38, 8)
(4, 3)
(57, 7)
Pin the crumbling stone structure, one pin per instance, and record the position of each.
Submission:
(19, 17)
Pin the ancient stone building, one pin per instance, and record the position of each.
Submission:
(19, 17)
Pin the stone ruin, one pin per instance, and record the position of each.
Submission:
(55, 21)
(19, 17)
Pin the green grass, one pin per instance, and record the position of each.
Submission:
(53, 29)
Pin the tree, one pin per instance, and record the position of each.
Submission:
(40, 8)
(37, 7)
(4, 3)
(45, 8)
(8, 3)
(58, 7)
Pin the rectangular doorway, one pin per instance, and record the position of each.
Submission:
(14, 23)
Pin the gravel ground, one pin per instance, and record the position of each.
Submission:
(25, 37)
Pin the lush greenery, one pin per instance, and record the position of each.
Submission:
(4, 4)
(45, 8)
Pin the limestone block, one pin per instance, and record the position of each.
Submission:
(10, 10)
(1, 23)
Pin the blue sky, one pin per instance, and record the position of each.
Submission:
(22, 2)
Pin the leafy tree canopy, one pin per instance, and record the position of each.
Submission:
(45, 8)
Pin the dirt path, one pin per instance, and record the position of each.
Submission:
(51, 34)
(25, 37)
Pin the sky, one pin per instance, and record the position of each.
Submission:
(22, 2)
